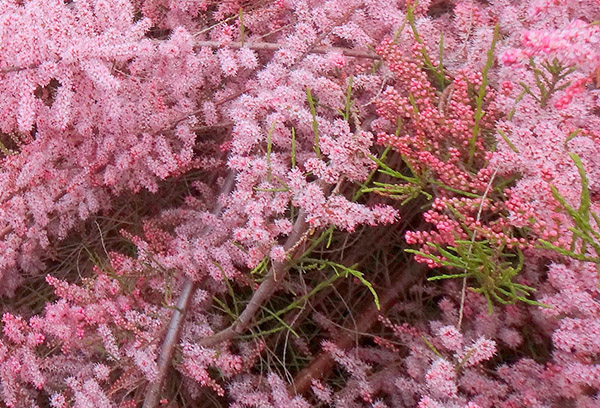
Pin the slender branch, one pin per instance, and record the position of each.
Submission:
(171, 339)
(7, 230)
(463, 291)
(17, 69)
(178, 318)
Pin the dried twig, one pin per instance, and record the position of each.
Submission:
(463, 291)
(7, 230)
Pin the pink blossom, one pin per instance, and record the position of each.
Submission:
(441, 379)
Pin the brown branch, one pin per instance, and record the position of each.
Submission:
(276, 274)
(7, 230)
(177, 320)
(324, 363)
(168, 347)
(17, 69)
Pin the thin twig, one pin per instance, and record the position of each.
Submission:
(17, 69)
(7, 230)
(171, 338)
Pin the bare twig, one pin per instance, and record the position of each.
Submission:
(17, 69)
(7, 230)
(171, 338)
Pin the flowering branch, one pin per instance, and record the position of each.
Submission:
(261, 46)
(275, 47)
(271, 283)
(178, 319)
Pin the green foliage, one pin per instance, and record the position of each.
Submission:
(411, 189)
(479, 112)
(232, 304)
(284, 186)
(491, 269)
(302, 299)
(436, 70)
(280, 321)
(518, 99)
(348, 100)
(507, 140)
(547, 79)
(315, 124)
(262, 267)
(413, 186)
(293, 147)
(269, 150)
(431, 346)
(585, 236)
(231, 292)
(345, 272)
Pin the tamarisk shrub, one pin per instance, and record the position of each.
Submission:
(298, 157)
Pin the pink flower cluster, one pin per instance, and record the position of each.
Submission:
(235, 160)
